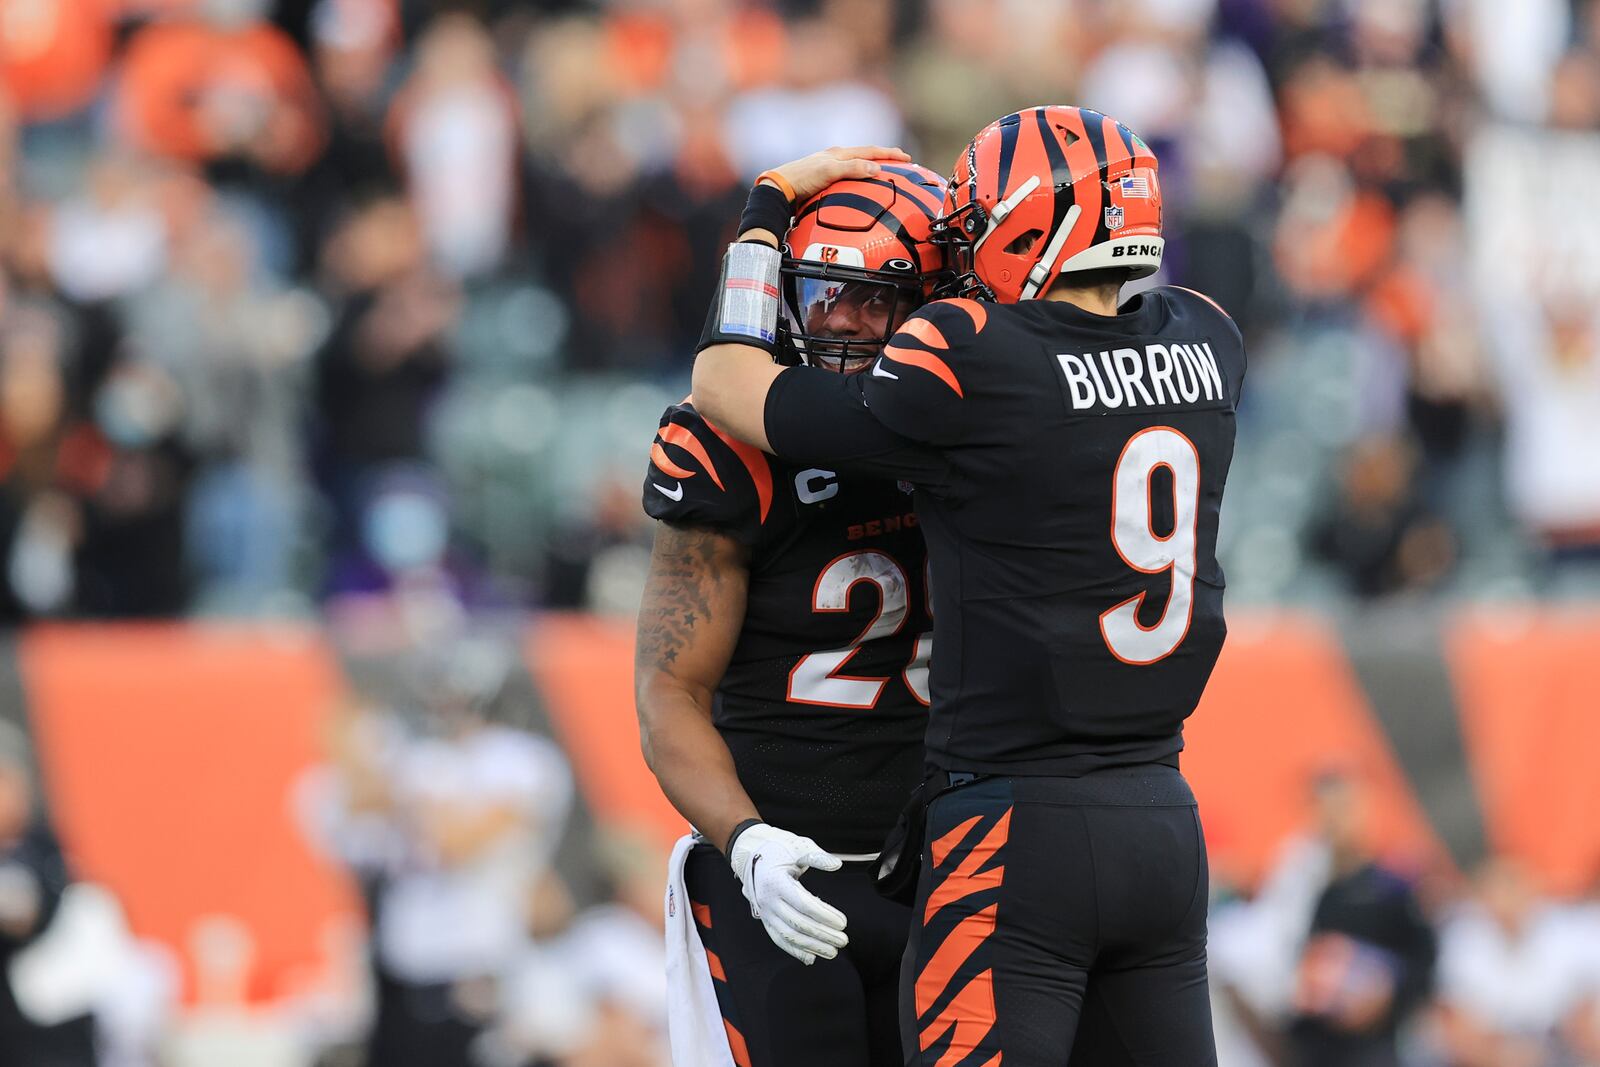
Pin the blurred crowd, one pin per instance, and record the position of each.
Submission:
(316, 299)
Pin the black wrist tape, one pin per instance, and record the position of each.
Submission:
(737, 830)
(767, 209)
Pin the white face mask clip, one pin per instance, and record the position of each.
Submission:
(1006, 207)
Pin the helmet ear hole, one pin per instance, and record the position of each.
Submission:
(1024, 244)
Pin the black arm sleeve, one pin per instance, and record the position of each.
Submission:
(817, 416)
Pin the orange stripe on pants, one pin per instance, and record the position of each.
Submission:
(736, 1045)
(968, 1018)
(966, 879)
(958, 946)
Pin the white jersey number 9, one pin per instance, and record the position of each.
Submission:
(1135, 539)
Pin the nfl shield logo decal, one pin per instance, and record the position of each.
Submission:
(1114, 217)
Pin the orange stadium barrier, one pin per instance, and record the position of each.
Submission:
(1283, 706)
(1529, 690)
(584, 666)
(170, 753)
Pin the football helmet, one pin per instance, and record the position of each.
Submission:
(1048, 191)
(857, 262)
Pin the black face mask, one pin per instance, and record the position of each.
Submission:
(839, 318)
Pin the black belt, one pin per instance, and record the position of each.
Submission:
(1148, 785)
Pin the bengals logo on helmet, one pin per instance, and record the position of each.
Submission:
(1048, 191)
(859, 260)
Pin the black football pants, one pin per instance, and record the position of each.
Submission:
(781, 1013)
(1061, 922)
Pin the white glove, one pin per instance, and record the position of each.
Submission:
(768, 862)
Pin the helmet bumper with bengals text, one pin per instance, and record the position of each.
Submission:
(1049, 191)
(858, 260)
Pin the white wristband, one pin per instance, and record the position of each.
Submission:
(749, 305)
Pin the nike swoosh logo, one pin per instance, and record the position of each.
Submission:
(675, 493)
(879, 372)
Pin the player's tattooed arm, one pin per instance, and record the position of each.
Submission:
(693, 603)
(689, 622)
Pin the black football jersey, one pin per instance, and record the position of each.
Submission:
(824, 703)
(1070, 469)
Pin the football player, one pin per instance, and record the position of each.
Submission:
(782, 661)
(1069, 451)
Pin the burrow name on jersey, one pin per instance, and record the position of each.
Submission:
(1157, 375)
(1132, 378)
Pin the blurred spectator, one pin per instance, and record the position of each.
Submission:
(53, 54)
(1368, 958)
(131, 560)
(235, 344)
(455, 123)
(598, 563)
(1548, 358)
(1511, 51)
(353, 54)
(451, 829)
(1228, 146)
(966, 67)
(1333, 236)
(1253, 944)
(221, 86)
(378, 370)
(222, 1026)
(1148, 72)
(50, 465)
(33, 878)
(822, 101)
(92, 508)
(1379, 534)
(1420, 306)
(1511, 970)
(589, 989)
(1332, 955)
(111, 241)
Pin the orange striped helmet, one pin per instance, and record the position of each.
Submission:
(1048, 191)
(857, 262)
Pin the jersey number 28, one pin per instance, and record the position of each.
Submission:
(1134, 537)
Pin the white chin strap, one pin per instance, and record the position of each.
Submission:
(1052, 252)
(1006, 207)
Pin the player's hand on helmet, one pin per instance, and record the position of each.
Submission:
(809, 176)
(768, 862)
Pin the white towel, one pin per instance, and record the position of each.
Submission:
(694, 1022)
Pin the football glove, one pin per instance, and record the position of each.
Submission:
(768, 863)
